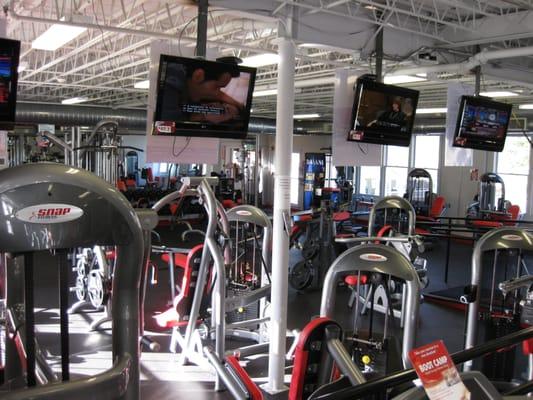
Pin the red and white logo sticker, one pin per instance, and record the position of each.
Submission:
(243, 213)
(373, 257)
(514, 238)
(49, 213)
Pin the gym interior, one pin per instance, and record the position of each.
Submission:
(282, 199)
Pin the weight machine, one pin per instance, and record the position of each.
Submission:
(500, 315)
(52, 207)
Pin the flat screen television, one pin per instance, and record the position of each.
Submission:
(202, 98)
(9, 62)
(382, 114)
(482, 124)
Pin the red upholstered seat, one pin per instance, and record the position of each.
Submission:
(420, 231)
(180, 259)
(110, 255)
(351, 280)
(341, 216)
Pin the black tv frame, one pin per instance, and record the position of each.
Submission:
(10, 48)
(191, 129)
(381, 135)
(476, 142)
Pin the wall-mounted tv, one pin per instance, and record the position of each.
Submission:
(9, 62)
(482, 124)
(382, 114)
(202, 98)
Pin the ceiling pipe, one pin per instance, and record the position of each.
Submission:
(464, 68)
(131, 121)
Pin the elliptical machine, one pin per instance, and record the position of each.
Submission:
(420, 191)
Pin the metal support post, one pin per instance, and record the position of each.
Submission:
(63, 313)
(201, 35)
(280, 251)
(379, 54)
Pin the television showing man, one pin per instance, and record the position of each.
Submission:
(394, 117)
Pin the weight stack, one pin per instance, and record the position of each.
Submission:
(499, 366)
(250, 311)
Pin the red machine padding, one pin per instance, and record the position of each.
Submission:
(121, 186)
(173, 207)
(180, 259)
(228, 203)
(344, 235)
(527, 347)
(351, 280)
(305, 352)
(111, 254)
(487, 224)
(130, 183)
(341, 216)
(171, 317)
(514, 213)
(420, 231)
(437, 206)
(253, 390)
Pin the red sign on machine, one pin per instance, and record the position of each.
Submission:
(438, 373)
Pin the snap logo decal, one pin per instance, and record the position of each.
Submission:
(243, 213)
(49, 213)
(373, 257)
(515, 238)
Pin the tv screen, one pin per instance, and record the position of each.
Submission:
(382, 114)
(203, 98)
(482, 124)
(9, 61)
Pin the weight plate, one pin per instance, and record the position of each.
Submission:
(310, 249)
(81, 289)
(301, 275)
(98, 289)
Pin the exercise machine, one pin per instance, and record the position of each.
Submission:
(52, 207)
(498, 316)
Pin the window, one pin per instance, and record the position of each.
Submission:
(369, 180)
(295, 178)
(163, 168)
(331, 173)
(427, 151)
(512, 164)
(396, 166)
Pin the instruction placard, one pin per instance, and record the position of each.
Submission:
(438, 373)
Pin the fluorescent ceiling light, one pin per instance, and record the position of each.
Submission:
(499, 93)
(395, 79)
(432, 110)
(142, 84)
(260, 60)
(526, 106)
(263, 93)
(75, 100)
(57, 36)
(306, 116)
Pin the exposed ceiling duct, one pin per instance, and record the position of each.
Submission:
(133, 121)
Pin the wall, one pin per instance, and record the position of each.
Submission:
(456, 186)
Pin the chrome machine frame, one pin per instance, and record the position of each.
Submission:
(104, 217)
(251, 215)
(504, 238)
(387, 261)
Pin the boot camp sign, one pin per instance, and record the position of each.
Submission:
(438, 373)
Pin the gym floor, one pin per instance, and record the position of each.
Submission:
(162, 378)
